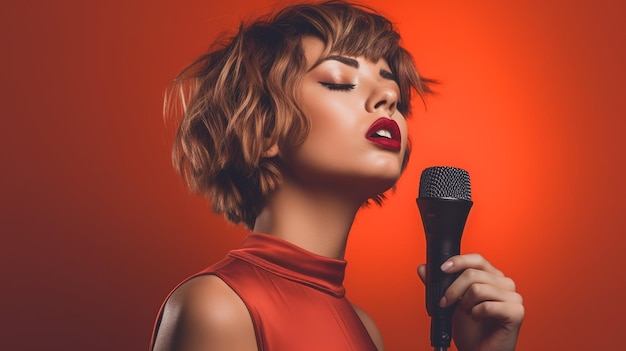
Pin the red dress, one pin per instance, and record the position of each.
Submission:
(295, 298)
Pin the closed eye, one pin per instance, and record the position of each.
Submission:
(341, 87)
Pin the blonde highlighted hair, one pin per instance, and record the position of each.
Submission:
(239, 98)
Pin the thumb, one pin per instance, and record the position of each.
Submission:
(421, 272)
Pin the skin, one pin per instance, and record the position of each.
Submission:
(325, 181)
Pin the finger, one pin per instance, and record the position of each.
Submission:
(460, 262)
(469, 278)
(480, 293)
(421, 272)
(507, 313)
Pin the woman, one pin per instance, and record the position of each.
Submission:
(289, 127)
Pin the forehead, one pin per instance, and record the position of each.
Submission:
(313, 48)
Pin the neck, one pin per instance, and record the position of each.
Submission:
(317, 221)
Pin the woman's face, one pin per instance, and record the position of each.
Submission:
(357, 138)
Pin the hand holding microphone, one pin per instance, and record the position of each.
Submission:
(490, 313)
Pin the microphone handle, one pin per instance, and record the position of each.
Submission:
(437, 282)
(444, 220)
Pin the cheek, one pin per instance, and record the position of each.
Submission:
(332, 122)
(404, 129)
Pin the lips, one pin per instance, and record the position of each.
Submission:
(385, 133)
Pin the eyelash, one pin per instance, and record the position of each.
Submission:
(339, 87)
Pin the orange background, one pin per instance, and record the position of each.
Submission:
(96, 227)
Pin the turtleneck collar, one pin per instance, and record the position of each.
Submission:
(292, 262)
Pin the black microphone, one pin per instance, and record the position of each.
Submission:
(444, 201)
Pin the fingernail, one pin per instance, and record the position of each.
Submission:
(442, 302)
(446, 266)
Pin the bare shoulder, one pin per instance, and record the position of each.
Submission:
(371, 327)
(205, 314)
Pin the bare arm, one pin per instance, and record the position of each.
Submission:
(205, 314)
(371, 327)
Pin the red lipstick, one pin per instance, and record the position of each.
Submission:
(385, 133)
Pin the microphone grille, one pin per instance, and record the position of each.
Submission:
(445, 182)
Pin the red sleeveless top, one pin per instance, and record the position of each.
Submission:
(295, 298)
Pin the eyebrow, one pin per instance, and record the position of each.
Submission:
(345, 60)
(387, 75)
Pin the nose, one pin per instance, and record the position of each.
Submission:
(383, 99)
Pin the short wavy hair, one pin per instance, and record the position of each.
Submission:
(238, 99)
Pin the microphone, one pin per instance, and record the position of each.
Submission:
(444, 201)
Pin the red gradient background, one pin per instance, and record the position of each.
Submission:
(97, 228)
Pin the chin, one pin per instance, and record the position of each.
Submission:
(374, 186)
